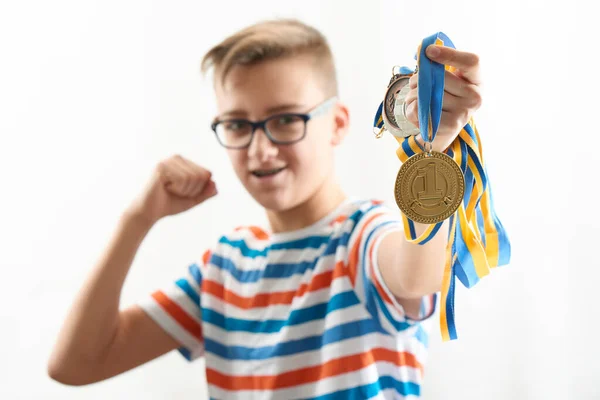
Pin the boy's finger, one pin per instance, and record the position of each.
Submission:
(467, 63)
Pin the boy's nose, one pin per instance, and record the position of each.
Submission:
(261, 147)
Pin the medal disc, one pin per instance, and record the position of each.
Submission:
(389, 104)
(429, 187)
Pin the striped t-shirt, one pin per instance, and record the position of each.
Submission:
(302, 314)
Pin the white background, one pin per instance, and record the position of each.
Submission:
(94, 93)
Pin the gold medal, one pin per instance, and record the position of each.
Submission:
(429, 187)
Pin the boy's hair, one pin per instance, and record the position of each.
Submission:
(269, 40)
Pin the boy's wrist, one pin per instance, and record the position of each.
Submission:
(133, 217)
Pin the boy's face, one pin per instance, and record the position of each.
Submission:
(286, 85)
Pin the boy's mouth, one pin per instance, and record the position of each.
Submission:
(261, 173)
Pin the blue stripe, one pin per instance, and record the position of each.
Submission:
(430, 88)
(285, 270)
(465, 264)
(422, 336)
(336, 334)
(272, 271)
(469, 129)
(481, 224)
(297, 317)
(310, 242)
(243, 247)
(463, 151)
(376, 122)
(407, 149)
(196, 273)
(189, 290)
(450, 306)
(373, 389)
(185, 353)
(433, 232)
(398, 325)
(469, 185)
(250, 275)
(411, 229)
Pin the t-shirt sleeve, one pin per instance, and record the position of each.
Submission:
(176, 308)
(373, 222)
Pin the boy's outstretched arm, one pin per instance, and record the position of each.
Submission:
(412, 271)
(97, 340)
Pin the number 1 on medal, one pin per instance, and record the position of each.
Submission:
(429, 175)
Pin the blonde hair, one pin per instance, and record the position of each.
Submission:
(269, 40)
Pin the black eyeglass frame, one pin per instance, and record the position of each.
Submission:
(317, 111)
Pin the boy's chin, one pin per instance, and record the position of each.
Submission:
(275, 201)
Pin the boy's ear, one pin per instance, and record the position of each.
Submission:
(342, 124)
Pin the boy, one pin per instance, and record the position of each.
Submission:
(330, 299)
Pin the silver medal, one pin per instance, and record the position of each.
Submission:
(405, 127)
(389, 104)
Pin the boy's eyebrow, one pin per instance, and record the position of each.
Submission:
(270, 111)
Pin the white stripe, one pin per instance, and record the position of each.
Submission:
(234, 254)
(180, 297)
(164, 320)
(281, 256)
(389, 394)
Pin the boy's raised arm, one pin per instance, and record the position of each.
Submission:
(97, 340)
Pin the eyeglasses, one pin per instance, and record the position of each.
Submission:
(285, 128)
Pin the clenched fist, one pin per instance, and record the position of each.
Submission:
(176, 185)
(462, 94)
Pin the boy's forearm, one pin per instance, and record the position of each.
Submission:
(411, 270)
(423, 265)
(94, 316)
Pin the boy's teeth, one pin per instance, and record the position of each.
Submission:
(267, 172)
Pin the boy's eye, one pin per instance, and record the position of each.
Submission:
(286, 119)
(233, 126)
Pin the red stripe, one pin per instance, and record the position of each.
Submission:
(376, 282)
(354, 252)
(178, 314)
(301, 376)
(206, 257)
(319, 281)
(339, 219)
(257, 232)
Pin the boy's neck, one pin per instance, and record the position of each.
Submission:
(327, 198)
